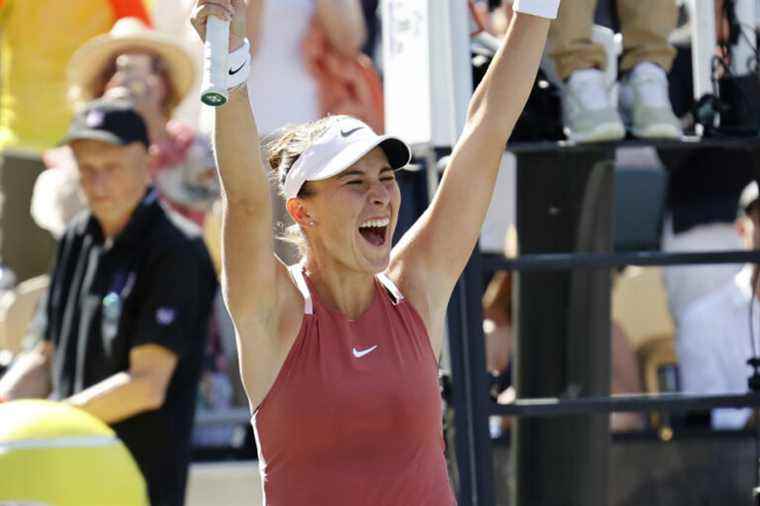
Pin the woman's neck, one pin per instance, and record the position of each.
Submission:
(349, 292)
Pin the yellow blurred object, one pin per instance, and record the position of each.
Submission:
(640, 305)
(38, 39)
(53, 454)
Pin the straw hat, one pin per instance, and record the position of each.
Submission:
(129, 34)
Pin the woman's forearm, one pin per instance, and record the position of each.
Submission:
(238, 152)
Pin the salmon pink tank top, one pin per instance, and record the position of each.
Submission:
(354, 415)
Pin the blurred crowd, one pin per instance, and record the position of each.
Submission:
(79, 66)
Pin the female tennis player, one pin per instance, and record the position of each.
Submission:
(338, 354)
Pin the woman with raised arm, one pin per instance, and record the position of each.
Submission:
(338, 353)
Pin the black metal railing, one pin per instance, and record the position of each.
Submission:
(470, 392)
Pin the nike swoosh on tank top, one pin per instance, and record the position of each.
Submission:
(345, 426)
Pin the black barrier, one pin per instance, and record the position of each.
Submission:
(623, 403)
(564, 196)
(685, 143)
(559, 261)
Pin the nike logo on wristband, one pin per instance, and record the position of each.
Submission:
(233, 72)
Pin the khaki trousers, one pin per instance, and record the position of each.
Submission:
(645, 24)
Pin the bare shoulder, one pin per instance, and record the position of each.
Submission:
(413, 281)
(266, 323)
(265, 340)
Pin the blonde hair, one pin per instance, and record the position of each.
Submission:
(281, 150)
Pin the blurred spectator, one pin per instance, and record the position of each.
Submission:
(589, 113)
(715, 332)
(497, 328)
(701, 202)
(290, 66)
(346, 81)
(701, 214)
(38, 38)
(36, 41)
(155, 73)
(56, 199)
(128, 307)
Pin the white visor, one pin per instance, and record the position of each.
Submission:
(341, 146)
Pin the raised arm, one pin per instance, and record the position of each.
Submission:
(249, 268)
(433, 254)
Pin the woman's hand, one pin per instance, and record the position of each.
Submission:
(233, 11)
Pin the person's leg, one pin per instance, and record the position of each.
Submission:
(570, 44)
(588, 114)
(646, 26)
(647, 57)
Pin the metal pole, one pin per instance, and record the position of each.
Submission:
(567, 261)
(471, 401)
(702, 15)
(624, 403)
(563, 327)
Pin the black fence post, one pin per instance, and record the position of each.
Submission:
(470, 388)
(565, 204)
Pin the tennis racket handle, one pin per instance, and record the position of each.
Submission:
(215, 49)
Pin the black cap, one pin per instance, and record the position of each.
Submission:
(111, 121)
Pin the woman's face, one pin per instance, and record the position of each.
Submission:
(137, 77)
(354, 215)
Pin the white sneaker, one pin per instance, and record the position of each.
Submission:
(645, 103)
(587, 111)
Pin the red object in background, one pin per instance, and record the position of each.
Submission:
(346, 84)
(130, 8)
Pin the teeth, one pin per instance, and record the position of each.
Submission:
(376, 223)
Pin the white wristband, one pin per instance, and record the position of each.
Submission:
(239, 63)
(543, 8)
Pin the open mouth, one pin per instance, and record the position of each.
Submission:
(374, 231)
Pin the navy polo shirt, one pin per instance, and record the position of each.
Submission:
(154, 284)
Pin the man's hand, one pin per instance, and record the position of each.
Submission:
(125, 394)
(233, 11)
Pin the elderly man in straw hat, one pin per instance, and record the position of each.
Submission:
(154, 73)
